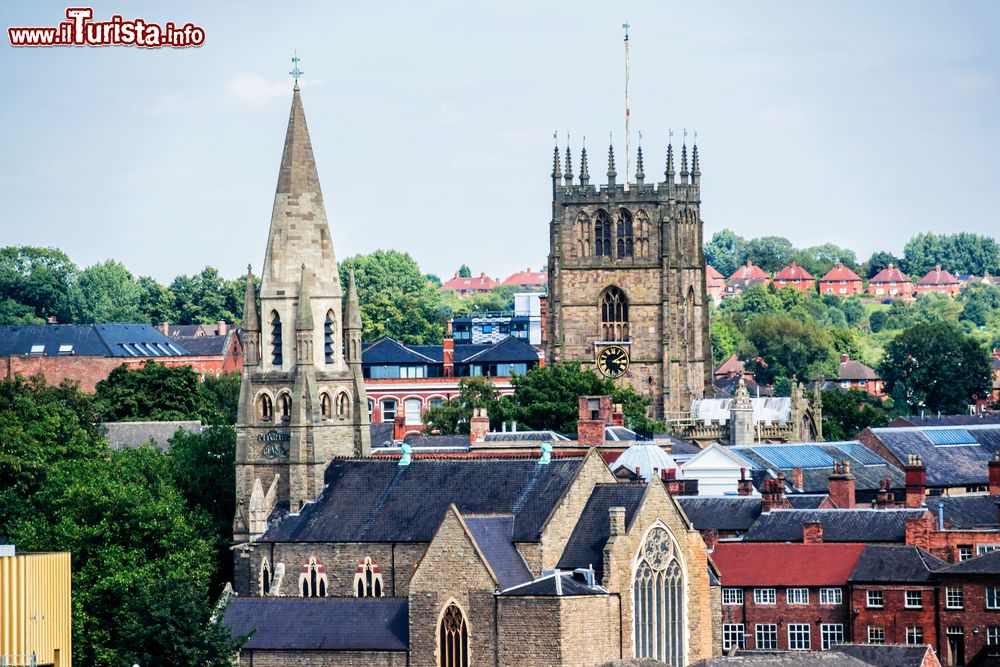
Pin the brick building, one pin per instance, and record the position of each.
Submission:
(616, 282)
(469, 286)
(87, 353)
(796, 277)
(938, 280)
(841, 281)
(528, 280)
(852, 374)
(802, 605)
(715, 283)
(744, 277)
(968, 608)
(890, 282)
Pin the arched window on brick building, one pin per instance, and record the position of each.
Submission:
(312, 579)
(368, 580)
(453, 638)
(658, 600)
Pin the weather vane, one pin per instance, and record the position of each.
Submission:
(296, 72)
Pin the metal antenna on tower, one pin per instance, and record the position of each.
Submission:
(628, 135)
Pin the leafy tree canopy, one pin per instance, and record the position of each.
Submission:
(847, 413)
(818, 260)
(778, 346)
(152, 392)
(464, 271)
(43, 281)
(958, 253)
(880, 260)
(726, 251)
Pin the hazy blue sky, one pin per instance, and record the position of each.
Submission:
(855, 122)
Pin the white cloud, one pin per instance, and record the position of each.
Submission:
(255, 89)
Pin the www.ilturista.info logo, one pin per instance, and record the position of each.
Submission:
(80, 30)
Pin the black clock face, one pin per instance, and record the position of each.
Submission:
(613, 361)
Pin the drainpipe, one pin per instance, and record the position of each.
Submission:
(941, 513)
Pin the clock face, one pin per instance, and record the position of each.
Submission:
(613, 361)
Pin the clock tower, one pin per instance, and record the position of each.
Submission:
(626, 278)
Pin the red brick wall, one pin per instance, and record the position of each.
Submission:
(894, 617)
(974, 615)
(781, 614)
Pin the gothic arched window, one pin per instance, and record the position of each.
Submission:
(285, 406)
(642, 233)
(265, 408)
(689, 315)
(581, 245)
(368, 580)
(453, 638)
(602, 234)
(275, 338)
(658, 600)
(265, 578)
(626, 247)
(343, 405)
(312, 579)
(325, 405)
(614, 315)
(328, 336)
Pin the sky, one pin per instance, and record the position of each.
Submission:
(853, 122)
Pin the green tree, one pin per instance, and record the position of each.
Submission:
(109, 293)
(464, 271)
(221, 396)
(40, 279)
(771, 253)
(981, 305)
(879, 260)
(937, 307)
(782, 347)
(958, 253)
(548, 398)
(756, 301)
(726, 337)
(206, 297)
(452, 416)
(847, 413)
(818, 260)
(152, 392)
(853, 310)
(433, 279)
(935, 367)
(396, 299)
(156, 302)
(726, 251)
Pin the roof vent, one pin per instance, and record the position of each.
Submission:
(546, 456)
(586, 574)
(407, 451)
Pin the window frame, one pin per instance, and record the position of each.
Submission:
(796, 630)
(953, 594)
(826, 593)
(731, 631)
(760, 593)
(871, 596)
(769, 632)
(831, 634)
(992, 595)
(914, 635)
(735, 596)
(392, 411)
(801, 595)
(876, 634)
(907, 604)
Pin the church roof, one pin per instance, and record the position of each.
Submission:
(585, 547)
(320, 624)
(559, 584)
(766, 409)
(494, 536)
(371, 500)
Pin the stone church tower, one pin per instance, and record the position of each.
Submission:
(302, 398)
(627, 268)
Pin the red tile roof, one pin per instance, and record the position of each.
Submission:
(711, 273)
(749, 272)
(840, 272)
(482, 283)
(890, 274)
(731, 366)
(527, 277)
(793, 272)
(780, 564)
(938, 277)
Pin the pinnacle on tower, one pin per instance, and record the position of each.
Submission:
(303, 311)
(695, 168)
(640, 175)
(556, 168)
(569, 167)
(352, 320)
(611, 164)
(669, 173)
(250, 320)
(684, 163)
(584, 167)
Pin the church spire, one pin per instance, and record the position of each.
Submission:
(352, 319)
(556, 168)
(569, 166)
(684, 160)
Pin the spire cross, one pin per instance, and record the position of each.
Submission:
(296, 72)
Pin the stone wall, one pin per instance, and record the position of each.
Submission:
(257, 658)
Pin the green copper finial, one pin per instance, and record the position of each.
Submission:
(546, 456)
(626, 25)
(296, 72)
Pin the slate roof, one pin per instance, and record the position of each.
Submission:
(964, 512)
(985, 564)
(204, 346)
(790, 658)
(433, 441)
(494, 535)
(855, 370)
(89, 340)
(885, 655)
(137, 434)
(753, 564)
(948, 420)
(725, 387)
(724, 513)
(677, 445)
(568, 584)
(890, 274)
(321, 624)
(373, 500)
(388, 351)
(881, 562)
(585, 547)
(855, 525)
(816, 461)
(806, 501)
(949, 464)
(523, 436)
(381, 433)
(840, 272)
(510, 349)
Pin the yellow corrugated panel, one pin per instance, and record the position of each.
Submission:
(35, 608)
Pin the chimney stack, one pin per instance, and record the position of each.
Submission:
(774, 495)
(884, 497)
(448, 355)
(744, 486)
(479, 426)
(617, 517)
(994, 467)
(594, 413)
(812, 532)
(164, 328)
(916, 480)
(221, 328)
(841, 485)
(797, 479)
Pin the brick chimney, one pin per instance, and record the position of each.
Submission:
(164, 328)
(812, 532)
(711, 537)
(221, 329)
(744, 485)
(916, 480)
(479, 426)
(399, 427)
(616, 516)
(448, 356)
(841, 485)
(617, 415)
(884, 497)
(844, 358)
(919, 529)
(593, 415)
(994, 467)
(543, 307)
(774, 495)
(797, 480)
